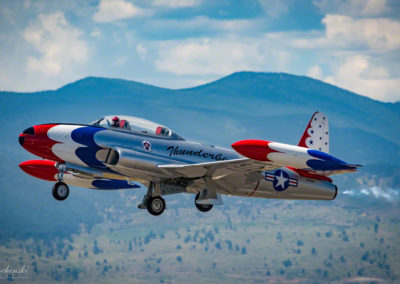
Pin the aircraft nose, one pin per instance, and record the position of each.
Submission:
(26, 134)
(35, 139)
(21, 140)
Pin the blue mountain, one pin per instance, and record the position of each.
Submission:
(244, 105)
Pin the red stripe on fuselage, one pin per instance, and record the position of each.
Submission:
(40, 144)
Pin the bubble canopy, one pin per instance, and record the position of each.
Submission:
(137, 125)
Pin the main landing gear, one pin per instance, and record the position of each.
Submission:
(155, 204)
(60, 189)
(152, 201)
(202, 207)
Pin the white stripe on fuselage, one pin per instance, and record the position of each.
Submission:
(293, 156)
(66, 149)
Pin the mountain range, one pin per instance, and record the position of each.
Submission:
(101, 236)
(243, 105)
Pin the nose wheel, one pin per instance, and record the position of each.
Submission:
(60, 191)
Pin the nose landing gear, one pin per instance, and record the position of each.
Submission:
(60, 189)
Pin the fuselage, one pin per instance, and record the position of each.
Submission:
(121, 155)
(138, 154)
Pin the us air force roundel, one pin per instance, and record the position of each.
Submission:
(281, 180)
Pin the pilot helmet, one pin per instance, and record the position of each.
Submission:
(115, 120)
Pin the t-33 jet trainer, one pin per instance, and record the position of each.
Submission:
(120, 152)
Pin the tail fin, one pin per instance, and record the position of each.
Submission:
(316, 135)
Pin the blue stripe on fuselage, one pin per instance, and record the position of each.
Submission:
(113, 184)
(84, 136)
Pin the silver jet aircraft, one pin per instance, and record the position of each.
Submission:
(119, 152)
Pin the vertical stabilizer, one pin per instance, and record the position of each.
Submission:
(316, 135)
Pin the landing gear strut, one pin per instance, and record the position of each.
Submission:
(60, 189)
(154, 204)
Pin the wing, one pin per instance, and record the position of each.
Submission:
(217, 169)
(237, 167)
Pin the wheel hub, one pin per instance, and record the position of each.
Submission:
(156, 205)
(62, 191)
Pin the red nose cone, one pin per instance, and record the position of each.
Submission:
(253, 149)
(36, 141)
(40, 169)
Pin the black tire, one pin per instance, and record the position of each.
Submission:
(156, 205)
(60, 191)
(202, 207)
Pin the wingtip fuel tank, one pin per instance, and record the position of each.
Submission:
(290, 155)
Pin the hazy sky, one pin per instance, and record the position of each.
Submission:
(354, 44)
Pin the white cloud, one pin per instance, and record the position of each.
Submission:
(114, 10)
(357, 50)
(209, 56)
(176, 3)
(315, 72)
(58, 44)
(141, 51)
(379, 34)
(357, 74)
(362, 8)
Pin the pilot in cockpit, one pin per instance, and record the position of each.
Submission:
(115, 121)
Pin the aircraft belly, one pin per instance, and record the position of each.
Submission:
(238, 185)
(307, 189)
(100, 183)
(141, 174)
(280, 184)
(77, 181)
